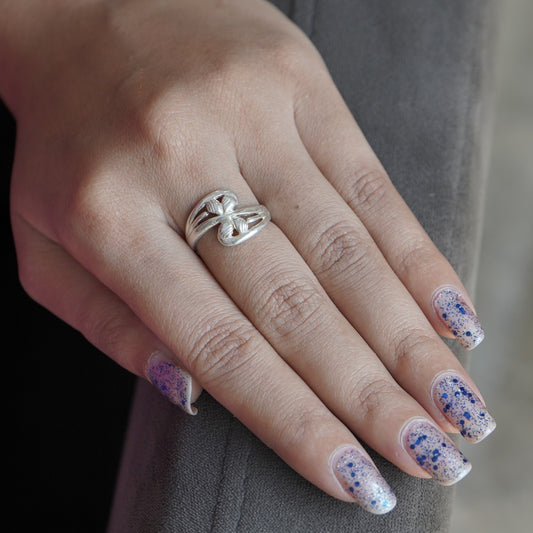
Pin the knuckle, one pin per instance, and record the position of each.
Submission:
(159, 122)
(299, 427)
(291, 306)
(413, 349)
(287, 54)
(106, 218)
(372, 395)
(225, 349)
(93, 209)
(166, 143)
(367, 189)
(108, 332)
(342, 250)
(418, 257)
(160, 133)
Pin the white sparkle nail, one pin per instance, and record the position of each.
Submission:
(434, 451)
(462, 407)
(363, 482)
(458, 317)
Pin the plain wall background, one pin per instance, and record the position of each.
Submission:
(497, 496)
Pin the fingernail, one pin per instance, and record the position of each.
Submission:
(435, 452)
(363, 482)
(462, 407)
(172, 382)
(459, 318)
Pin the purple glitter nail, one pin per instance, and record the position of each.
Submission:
(171, 381)
(362, 481)
(459, 318)
(435, 452)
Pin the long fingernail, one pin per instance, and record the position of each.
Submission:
(171, 381)
(462, 407)
(459, 318)
(362, 481)
(435, 452)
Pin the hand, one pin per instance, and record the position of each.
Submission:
(322, 327)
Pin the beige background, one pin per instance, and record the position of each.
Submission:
(497, 497)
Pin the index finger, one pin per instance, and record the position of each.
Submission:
(352, 167)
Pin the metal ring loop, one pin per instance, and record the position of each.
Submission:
(236, 224)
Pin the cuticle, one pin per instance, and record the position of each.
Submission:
(334, 459)
(439, 375)
(146, 370)
(407, 424)
(346, 447)
(401, 434)
(442, 288)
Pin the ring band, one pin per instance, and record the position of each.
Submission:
(236, 224)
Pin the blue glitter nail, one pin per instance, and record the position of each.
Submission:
(465, 410)
(362, 481)
(435, 452)
(459, 318)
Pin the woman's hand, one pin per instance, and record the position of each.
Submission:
(324, 325)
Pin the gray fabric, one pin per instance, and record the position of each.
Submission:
(414, 74)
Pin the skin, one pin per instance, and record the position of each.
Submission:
(317, 333)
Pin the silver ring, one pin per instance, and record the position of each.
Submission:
(236, 224)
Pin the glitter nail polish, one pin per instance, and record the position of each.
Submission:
(171, 381)
(362, 481)
(462, 407)
(435, 452)
(458, 317)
